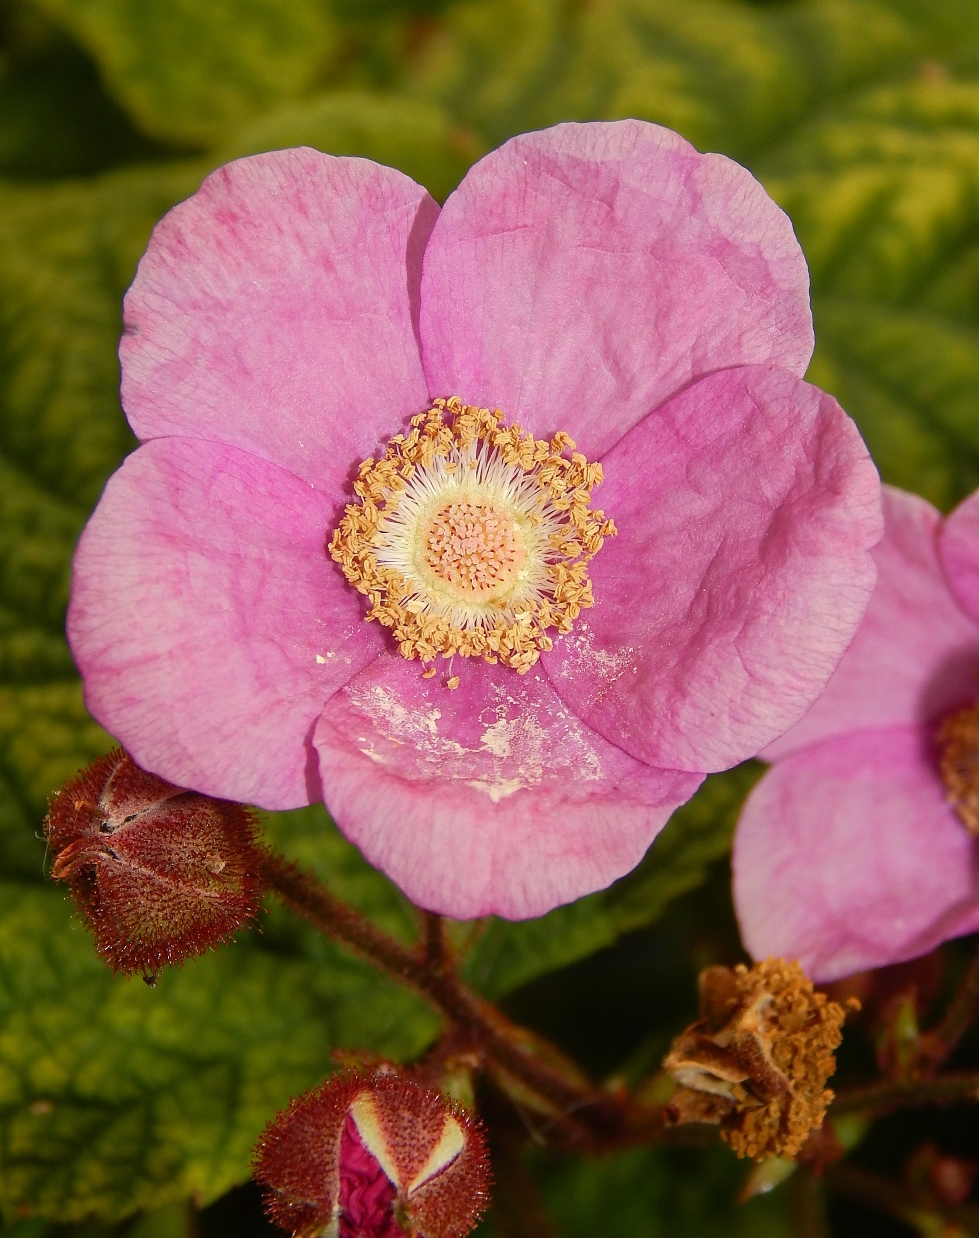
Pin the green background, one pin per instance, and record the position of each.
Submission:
(130, 1109)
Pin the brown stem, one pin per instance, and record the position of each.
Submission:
(807, 1207)
(595, 1114)
(434, 948)
(882, 1097)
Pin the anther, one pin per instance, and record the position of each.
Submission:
(958, 764)
(473, 538)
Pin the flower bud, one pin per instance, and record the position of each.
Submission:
(757, 1060)
(374, 1156)
(159, 873)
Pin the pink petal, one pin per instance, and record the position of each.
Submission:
(490, 799)
(916, 654)
(746, 507)
(848, 857)
(273, 311)
(959, 550)
(208, 622)
(581, 275)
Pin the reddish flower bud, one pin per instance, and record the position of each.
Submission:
(160, 873)
(374, 1156)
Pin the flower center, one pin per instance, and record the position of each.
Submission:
(473, 538)
(472, 548)
(958, 764)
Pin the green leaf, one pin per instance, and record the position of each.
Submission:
(55, 117)
(510, 954)
(190, 72)
(115, 1097)
(861, 118)
(885, 197)
(652, 1192)
(405, 133)
(493, 65)
(66, 255)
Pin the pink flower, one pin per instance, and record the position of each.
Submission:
(853, 851)
(605, 281)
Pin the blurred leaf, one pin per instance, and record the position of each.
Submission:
(55, 117)
(405, 133)
(659, 1193)
(885, 197)
(176, 1220)
(493, 64)
(66, 255)
(729, 76)
(191, 71)
(510, 954)
(862, 118)
(115, 1097)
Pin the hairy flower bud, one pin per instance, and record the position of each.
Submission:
(757, 1060)
(374, 1156)
(160, 873)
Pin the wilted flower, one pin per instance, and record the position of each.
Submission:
(374, 1156)
(314, 356)
(757, 1060)
(858, 848)
(159, 873)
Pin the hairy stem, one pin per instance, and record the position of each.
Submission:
(434, 946)
(882, 1097)
(596, 1115)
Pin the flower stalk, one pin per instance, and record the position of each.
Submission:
(588, 1115)
(882, 1097)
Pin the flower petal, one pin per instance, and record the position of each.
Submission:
(848, 857)
(208, 622)
(273, 311)
(490, 799)
(746, 508)
(959, 550)
(581, 275)
(915, 655)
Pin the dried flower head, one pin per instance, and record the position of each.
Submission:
(374, 1156)
(757, 1060)
(160, 873)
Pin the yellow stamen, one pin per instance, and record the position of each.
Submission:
(472, 537)
(958, 741)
